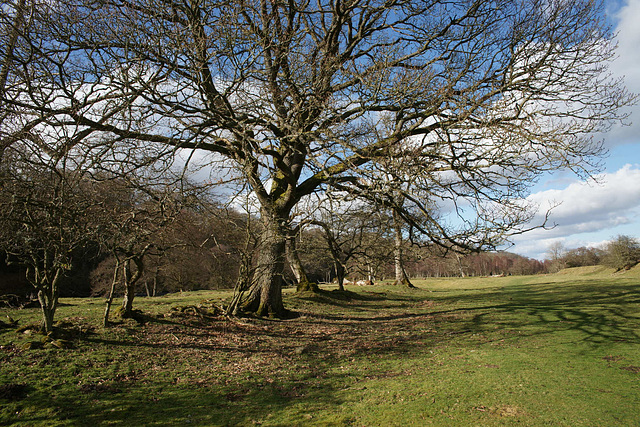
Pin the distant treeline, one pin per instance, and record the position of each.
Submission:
(622, 252)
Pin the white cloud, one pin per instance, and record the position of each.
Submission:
(627, 65)
(607, 201)
(585, 207)
(628, 41)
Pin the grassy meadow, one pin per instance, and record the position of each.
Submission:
(557, 350)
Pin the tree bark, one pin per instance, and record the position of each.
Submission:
(48, 298)
(340, 270)
(302, 281)
(265, 295)
(402, 278)
(109, 301)
(48, 310)
(130, 281)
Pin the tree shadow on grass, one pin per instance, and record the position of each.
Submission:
(365, 300)
(600, 313)
(337, 297)
(247, 403)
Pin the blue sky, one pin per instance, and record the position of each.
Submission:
(591, 213)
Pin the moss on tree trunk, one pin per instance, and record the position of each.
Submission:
(48, 293)
(265, 294)
(130, 280)
(302, 281)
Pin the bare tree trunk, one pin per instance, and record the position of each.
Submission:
(370, 273)
(401, 275)
(462, 274)
(265, 294)
(340, 275)
(130, 284)
(242, 284)
(245, 271)
(154, 289)
(129, 291)
(302, 280)
(146, 288)
(48, 310)
(48, 298)
(114, 282)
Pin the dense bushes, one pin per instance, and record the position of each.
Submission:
(622, 253)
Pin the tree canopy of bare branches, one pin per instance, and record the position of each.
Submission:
(475, 99)
(45, 219)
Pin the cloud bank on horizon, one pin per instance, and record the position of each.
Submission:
(592, 212)
(588, 213)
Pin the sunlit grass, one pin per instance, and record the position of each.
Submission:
(538, 350)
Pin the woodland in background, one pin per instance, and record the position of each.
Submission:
(203, 247)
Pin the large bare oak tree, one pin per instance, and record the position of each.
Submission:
(476, 99)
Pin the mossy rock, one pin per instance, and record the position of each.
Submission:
(30, 329)
(32, 345)
(59, 343)
(307, 287)
(206, 308)
(137, 315)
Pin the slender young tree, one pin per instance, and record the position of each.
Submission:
(136, 213)
(295, 263)
(351, 231)
(482, 98)
(402, 278)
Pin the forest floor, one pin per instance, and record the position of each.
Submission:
(558, 349)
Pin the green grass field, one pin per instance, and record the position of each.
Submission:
(557, 350)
